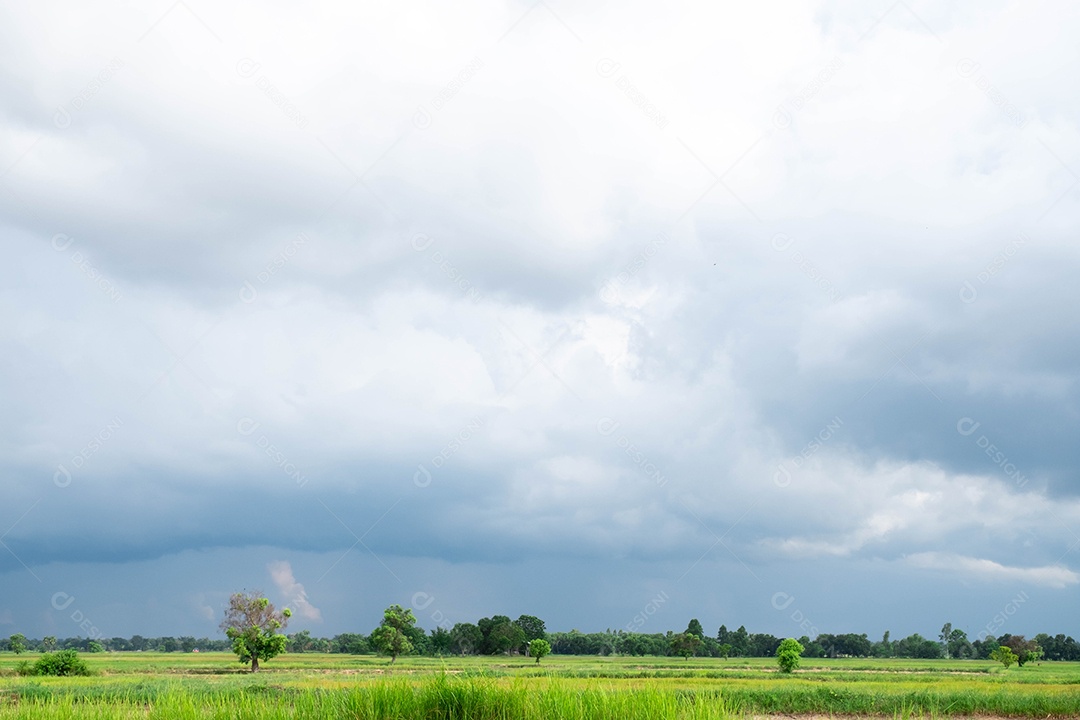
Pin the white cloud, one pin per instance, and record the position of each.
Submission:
(282, 575)
(1054, 576)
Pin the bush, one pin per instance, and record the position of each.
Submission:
(63, 662)
(787, 655)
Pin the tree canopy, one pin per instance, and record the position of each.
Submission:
(251, 622)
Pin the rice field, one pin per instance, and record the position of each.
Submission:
(214, 685)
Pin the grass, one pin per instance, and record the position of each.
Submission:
(214, 685)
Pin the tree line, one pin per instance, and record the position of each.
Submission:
(500, 635)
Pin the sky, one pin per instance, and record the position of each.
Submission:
(612, 314)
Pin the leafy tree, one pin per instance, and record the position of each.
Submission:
(884, 648)
(946, 631)
(17, 643)
(788, 654)
(532, 626)
(251, 622)
(538, 648)
(169, 644)
(352, 643)
(467, 638)
(48, 643)
(441, 641)
(421, 644)
(694, 628)
(958, 645)
(725, 650)
(685, 644)
(300, 642)
(1026, 650)
(391, 638)
(740, 642)
(505, 637)
(1004, 655)
(95, 647)
(916, 646)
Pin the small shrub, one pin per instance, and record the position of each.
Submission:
(787, 655)
(62, 662)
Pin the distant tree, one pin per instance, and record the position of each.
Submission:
(788, 654)
(916, 646)
(506, 637)
(251, 622)
(1004, 655)
(499, 635)
(946, 631)
(685, 644)
(884, 648)
(538, 648)
(300, 642)
(724, 650)
(169, 644)
(95, 647)
(532, 626)
(694, 628)
(958, 645)
(48, 643)
(1025, 650)
(352, 643)
(441, 641)
(390, 638)
(466, 638)
(740, 642)
(17, 643)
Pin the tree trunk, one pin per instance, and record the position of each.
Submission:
(254, 664)
(392, 659)
(537, 659)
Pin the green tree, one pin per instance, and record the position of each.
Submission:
(959, 646)
(466, 638)
(694, 628)
(251, 622)
(300, 642)
(48, 643)
(1025, 650)
(17, 643)
(946, 631)
(685, 644)
(352, 643)
(95, 647)
(1004, 655)
(391, 637)
(740, 642)
(506, 637)
(441, 641)
(532, 626)
(538, 648)
(788, 654)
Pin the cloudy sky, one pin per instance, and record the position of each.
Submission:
(764, 310)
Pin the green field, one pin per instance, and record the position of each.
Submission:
(214, 685)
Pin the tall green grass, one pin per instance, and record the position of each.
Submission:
(438, 698)
(148, 686)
